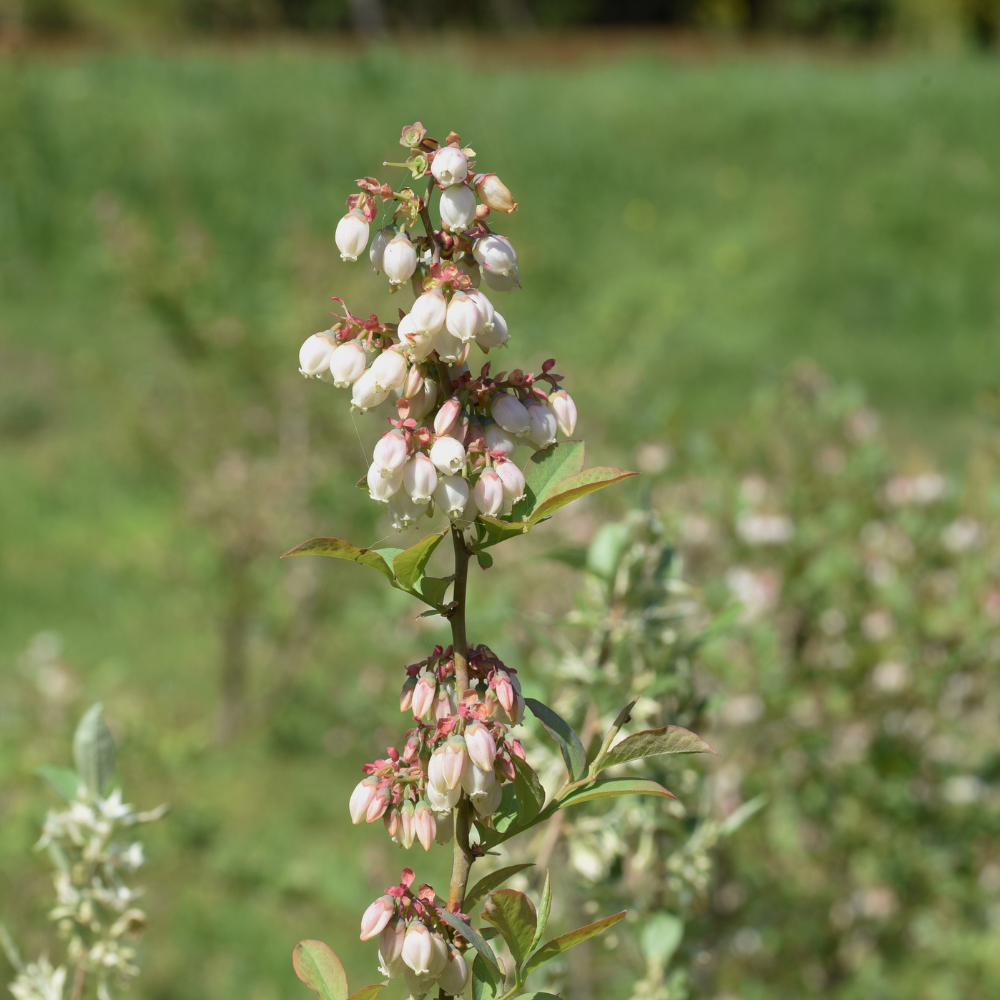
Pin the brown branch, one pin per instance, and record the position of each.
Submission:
(78, 978)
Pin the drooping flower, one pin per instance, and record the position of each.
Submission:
(450, 166)
(351, 236)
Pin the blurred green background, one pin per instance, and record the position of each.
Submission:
(688, 228)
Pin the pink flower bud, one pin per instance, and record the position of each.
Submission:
(487, 803)
(494, 194)
(380, 487)
(463, 319)
(495, 336)
(413, 384)
(425, 400)
(459, 430)
(510, 414)
(449, 348)
(417, 951)
(429, 311)
(389, 454)
(488, 493)
(376, 917)
(390, 941)
(454, 762)
(495, 254)
(457, 207)
(315, 353)
(513, 480)
(448, 455)
(379, 244)
(542, 425)
(504, 690)
(455, 974)
(439, 955)
(399, 260)
(378, 805)
(389, 370)
(361, 798)
(426, 825)
(391, 823)
(502, 282)
(347, 364)
(423, 695)
(420, 478)
(407, 826)
(497, 439)
(449, 413)
(403, 512)
(449, 166)
(406, 697)
(452, 495)
(351, 236)
(565, 411)
(366, 394)
(481, 745)
(442, 706)
(442, 801)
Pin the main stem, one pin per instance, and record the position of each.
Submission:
(462, 858)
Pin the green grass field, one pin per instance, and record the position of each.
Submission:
(686, 231)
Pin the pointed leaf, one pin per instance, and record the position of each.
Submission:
(475, 939)
(661, 936)
(409, 564)
(578, 486)
(94, 751)
(63, 781)
(431, 590)
(497, 531)
(605, 788)
(513, 915)
(543, 910)
(620, 720)
(650, 743)
(320, 969)
(562, 732)
(530, 794)
(492, 881)
(564, 942)
(367, 992)
(545, 470)
(484, 982)
(506, 813)
(339, 549)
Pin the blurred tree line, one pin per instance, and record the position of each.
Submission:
(939, 22)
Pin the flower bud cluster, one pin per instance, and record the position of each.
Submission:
(414, 942)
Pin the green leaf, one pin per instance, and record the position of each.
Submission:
(623, 716)
(661, 937)
(538, 996)
(367, 992)
(431, 590)
(474, 938)
(562, 732)
(543, 911)
(545, 470)
(409, 564)
(484, 559)
(63, 781)
(578, 486)
(94, 751)
(340, 549)
(506, 813)
(605, 788)
(493, 881)
(736, 819)
(606, 549)
(497, 531)
(564, 942)
(513, 915)
(530, 794)
(484, 982)
(320, 969)
(650, 743)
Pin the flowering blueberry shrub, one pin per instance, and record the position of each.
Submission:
(94, 853)
(461, 776)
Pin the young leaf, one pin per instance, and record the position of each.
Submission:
(530, 794)
(513, 915)
(578, 486)
(545, 470)
(543, 911)
(475, 939)
(430, 590)
(63, 781)
(620, 720)
(661, 936)
(605, 788)
(484, 982)
(490, 882)
(650, 743)
(367, 992)
(409, 564)
(496, 531)
(562, 732)
(564, 942)
(340, 549)
(320, 969)
(94, 751)
(507, 812)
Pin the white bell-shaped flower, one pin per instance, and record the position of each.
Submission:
(443, 800)
(403, 512)
(315, 353)
(488, 493)
(478, 782)
(513, 480)
(389, 369)
(379, 243)
(510, 414)
(448, 455)
(495, 336)
(488, 803)
(399, 260)
(449, 348)
(481, 745)
(429, 311)
(457, 207)
(380, 487)
(389, 454)
(463, 319)
(439, 954)
(565, 411)
(543, 427)
(497, 439)
(417, 951)
(495, 254)
(502, 282)
(366, 394)
(455, 975)
(450, 166)
(424, 401)
(485, 307)
(420, 478)
(347, 364)
(351, 236)
(390, 941)
(452, 495)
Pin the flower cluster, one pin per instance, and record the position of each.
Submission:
(413, 942)
(452, 442)
(462, 748)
